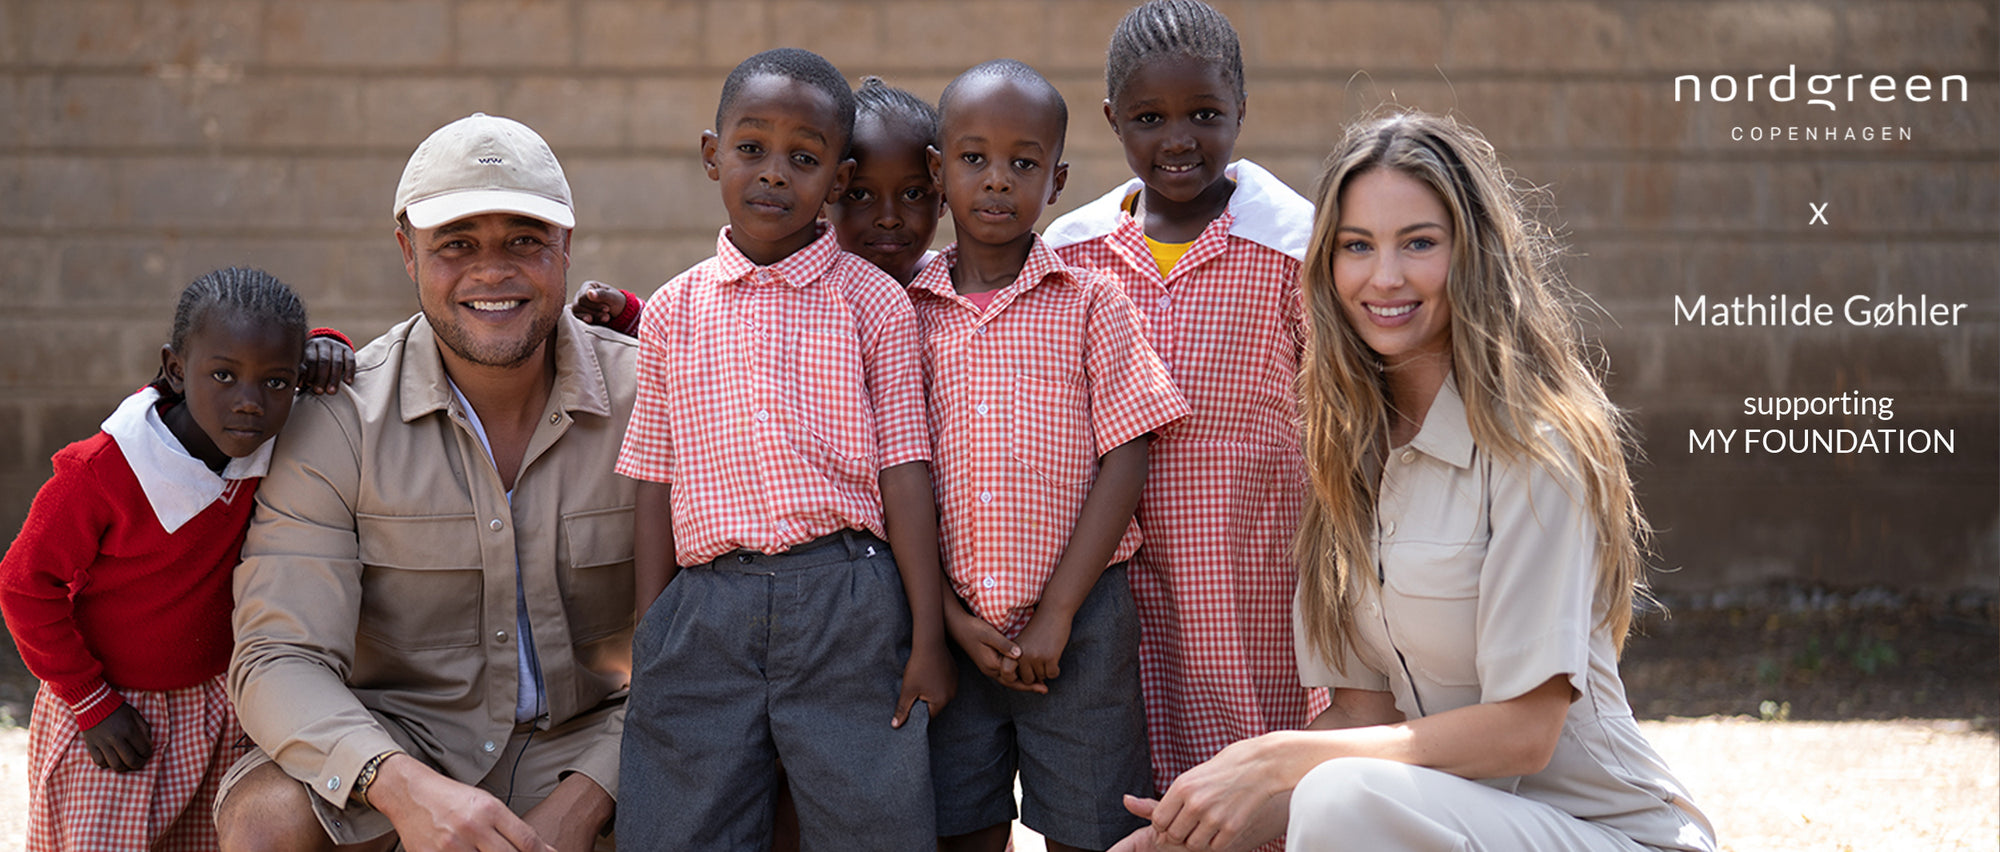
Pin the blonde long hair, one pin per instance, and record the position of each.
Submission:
(1516, 353)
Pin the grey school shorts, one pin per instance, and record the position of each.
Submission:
(758, 657)
(1078, 749)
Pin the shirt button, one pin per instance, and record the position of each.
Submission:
(988, 583)
(1389, 529)
(979, 330)
(486, 746)
(985, 496)
(1409, 456)
(763, 415)
(981, 408)
(495, 525)
(333, 783)
(1166, 302)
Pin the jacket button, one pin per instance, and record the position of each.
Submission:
(333, 783)
(500, 635)
(486, 746)
(495, 525)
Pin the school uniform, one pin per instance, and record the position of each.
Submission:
(1225, 487)
(770, 399)
(1025, 394)
(1485, 588)
(117, 592)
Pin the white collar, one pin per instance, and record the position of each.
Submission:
(178, 485)
(1266, 211)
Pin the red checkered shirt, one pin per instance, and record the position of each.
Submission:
(1025, 396)
(1214, 582)
(772, 397)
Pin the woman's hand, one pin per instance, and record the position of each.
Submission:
(1238, 799)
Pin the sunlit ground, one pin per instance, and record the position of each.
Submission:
(1909, 786)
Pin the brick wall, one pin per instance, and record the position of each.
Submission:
(143, 142)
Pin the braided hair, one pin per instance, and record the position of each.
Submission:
(1188, 28)
(799, 64)
(877, 98)
(249, 293)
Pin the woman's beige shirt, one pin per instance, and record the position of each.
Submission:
(1484, 588)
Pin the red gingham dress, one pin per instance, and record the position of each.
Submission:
(1025, 397)
(772, 397)
(166, 805)
(1214, 581)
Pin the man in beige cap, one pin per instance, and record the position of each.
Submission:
(434, 609)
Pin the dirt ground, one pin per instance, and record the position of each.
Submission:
(1800, 720)
(1818, 656)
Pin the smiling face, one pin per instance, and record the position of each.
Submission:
(889, 210)
(778, 156)
(239, 376)
(1177, 118)
(1000, 164)
(491, 285)
(1392, 260)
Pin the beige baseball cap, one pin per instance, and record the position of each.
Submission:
(483, 164)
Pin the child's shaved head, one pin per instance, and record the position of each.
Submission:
(1007, 69)
(798, 64)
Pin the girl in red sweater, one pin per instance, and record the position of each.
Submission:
(117, 589)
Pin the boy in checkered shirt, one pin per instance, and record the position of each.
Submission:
(1042, 394)
(780, 444)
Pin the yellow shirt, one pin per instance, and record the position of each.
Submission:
(1167, 254)
(1164, 254)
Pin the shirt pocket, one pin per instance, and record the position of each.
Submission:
(597, 588)
(1431, 597)
(833, 429)
(1050, 429)
(422, 581)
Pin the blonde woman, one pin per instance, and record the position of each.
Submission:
(1471, 551)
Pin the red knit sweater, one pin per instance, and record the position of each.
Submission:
(99, 595)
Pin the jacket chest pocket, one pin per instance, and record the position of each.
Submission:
(422, 581)
(1430, 595)
(1051, 434)
(597, 588)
